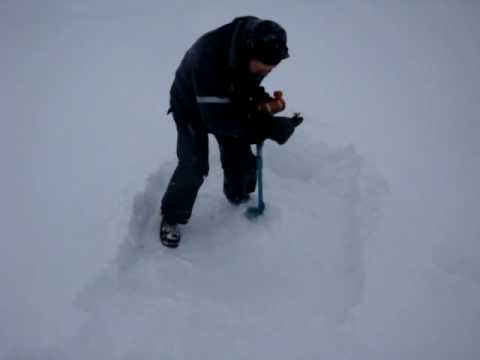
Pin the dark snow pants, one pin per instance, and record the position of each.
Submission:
(238, 163)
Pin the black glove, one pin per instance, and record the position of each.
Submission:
(282, 127)
(277, 128)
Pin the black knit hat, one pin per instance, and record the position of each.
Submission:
(269, 43)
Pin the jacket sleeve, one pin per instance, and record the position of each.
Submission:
(261, 96)
(222, 112)
(219, 114)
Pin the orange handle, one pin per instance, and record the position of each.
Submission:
(274, 106)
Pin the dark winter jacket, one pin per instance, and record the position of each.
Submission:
(213, 85)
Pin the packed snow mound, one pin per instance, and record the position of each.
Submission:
(279, 287)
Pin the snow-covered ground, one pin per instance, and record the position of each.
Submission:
(369, 248)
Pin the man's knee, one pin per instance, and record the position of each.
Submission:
(193, 172)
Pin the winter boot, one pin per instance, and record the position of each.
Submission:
(169, 234)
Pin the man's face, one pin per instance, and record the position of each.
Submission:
(258, 68)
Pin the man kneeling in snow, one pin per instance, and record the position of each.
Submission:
(217, 91)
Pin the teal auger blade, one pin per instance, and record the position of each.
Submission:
(254, 212)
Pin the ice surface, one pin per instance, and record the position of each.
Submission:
(282, 286)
